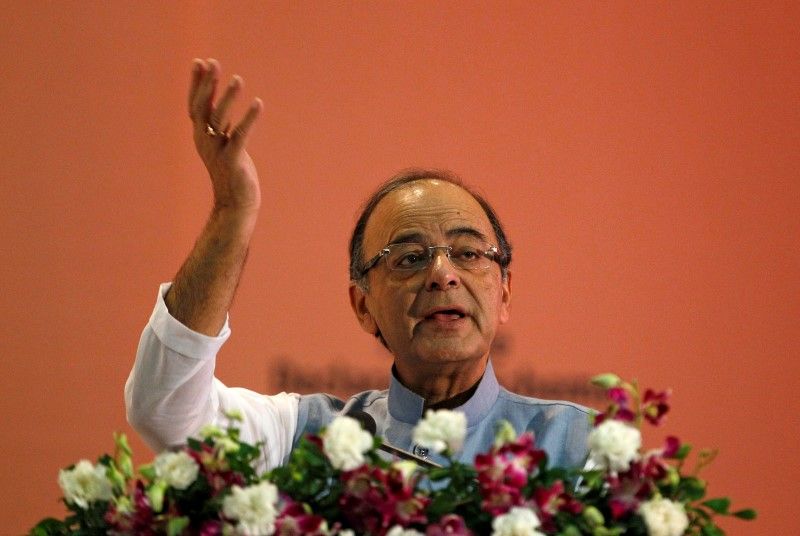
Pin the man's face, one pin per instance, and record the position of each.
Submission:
(441, 314)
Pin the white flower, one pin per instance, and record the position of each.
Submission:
(177, 469)
(85, 483)
(664, 517)
(253, 508)
(397, 530)
(613, 445)
(517, 522)
(441, 430)
(345, 532)
(345, 443)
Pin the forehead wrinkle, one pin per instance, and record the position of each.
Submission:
(466, 230)
(414, 213)
(423, 233)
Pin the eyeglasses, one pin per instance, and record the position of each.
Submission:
(465, 252)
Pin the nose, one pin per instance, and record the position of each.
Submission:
(441, 274)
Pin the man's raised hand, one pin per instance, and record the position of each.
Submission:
(220, 144)
(204, 287)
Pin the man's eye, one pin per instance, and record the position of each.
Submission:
(467, 255)
(409, 260)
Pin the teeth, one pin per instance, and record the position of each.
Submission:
(448, 315)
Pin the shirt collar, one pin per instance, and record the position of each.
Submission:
(406, 406)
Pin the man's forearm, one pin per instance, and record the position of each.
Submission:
(204, 287)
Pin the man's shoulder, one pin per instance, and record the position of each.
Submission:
(552, 407)
(559, 426)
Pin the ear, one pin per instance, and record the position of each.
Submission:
(358, 301)
(505, 304)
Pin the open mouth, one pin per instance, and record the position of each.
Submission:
(446, 315)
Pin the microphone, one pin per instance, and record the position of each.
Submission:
(368, 424)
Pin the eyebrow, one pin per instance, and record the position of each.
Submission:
(470, 231)
(416, 237)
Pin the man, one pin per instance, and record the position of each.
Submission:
(429, 278)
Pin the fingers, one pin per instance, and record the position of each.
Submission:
(218, 117)
(239, 135)
(198, 68)
(202, 92)
(202, 88)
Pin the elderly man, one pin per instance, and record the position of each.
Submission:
(429, 278)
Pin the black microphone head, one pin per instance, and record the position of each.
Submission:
(364, 419)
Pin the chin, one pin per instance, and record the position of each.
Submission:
(448, 353)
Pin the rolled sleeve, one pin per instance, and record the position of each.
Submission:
(171, 391)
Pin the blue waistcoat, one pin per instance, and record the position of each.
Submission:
(560, 428)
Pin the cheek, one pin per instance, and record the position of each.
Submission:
(492, 302)
(390, 311)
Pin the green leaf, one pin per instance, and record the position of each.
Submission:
(711, 530)
(148, 471)
(683, 451)
(747, 513)
(719, 505)
(176, 525)
(439, 473)
(692, 488)
(49, 527)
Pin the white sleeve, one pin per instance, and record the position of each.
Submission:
(171, 392)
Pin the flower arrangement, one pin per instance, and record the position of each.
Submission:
(336, 483)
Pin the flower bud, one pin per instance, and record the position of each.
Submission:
(234, 415)
(593, 516)
(156, 495)
(115, 477)
(505, 434)
(606, 381)
(209, 430)
(673, 476)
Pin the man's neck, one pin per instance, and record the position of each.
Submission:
(442, 389)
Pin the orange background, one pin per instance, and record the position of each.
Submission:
(643, 157)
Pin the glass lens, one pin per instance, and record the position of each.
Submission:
(408, 257)
(470, 253)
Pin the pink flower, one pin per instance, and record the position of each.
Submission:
(137, 521)
(295, 521)
(215, 468)
(619, 408)
(210, 528)
(671, 447)
(619, 395)
(553, 500)
(451, 524)
(374, 500)
(628, 489)
(654, 406)
(504, 471)
(499, 499)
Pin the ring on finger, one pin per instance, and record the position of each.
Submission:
(213, 132)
